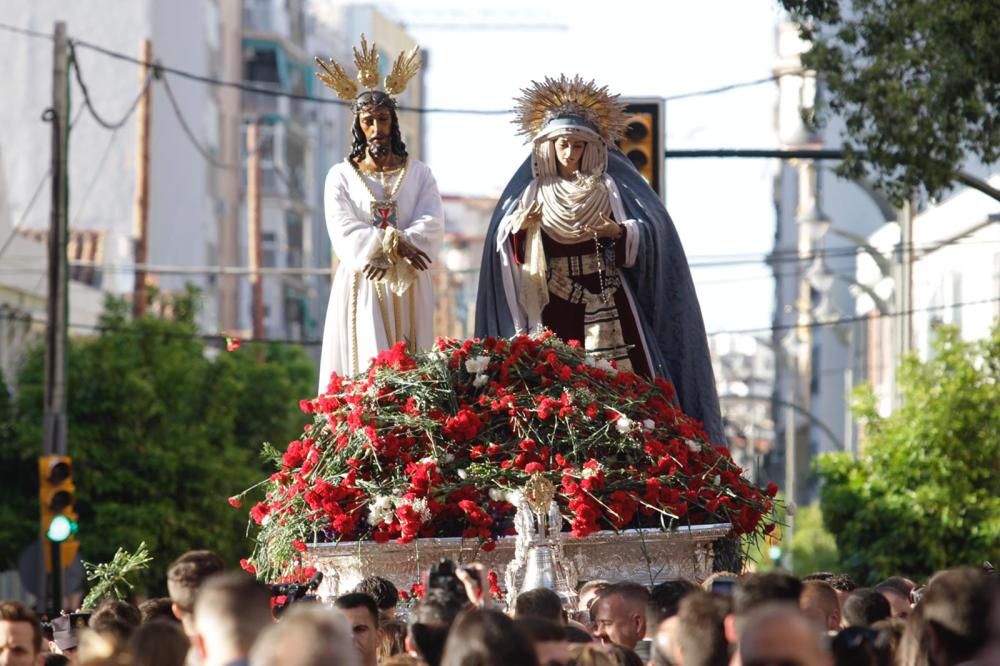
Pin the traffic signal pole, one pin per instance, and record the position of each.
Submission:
(54, 414)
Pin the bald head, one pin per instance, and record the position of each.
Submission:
(820, 602)
(781, 633)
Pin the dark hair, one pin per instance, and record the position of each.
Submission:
(159, 643)
(541, 602)
(381, 590)
(841, 583)
(665, 598)
(358, 600)
(430, 621)
(157, 609)
(540, 630)
(701, 632)
(54, 659)
(487, 638)
(15, 611)
(186, 574)
(823, 576)
(759, 589)
(115, 618)
(369, 101)
(864, 607)
(575, 634)
(897, 584)
(630, 591)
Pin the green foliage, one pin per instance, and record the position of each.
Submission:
(916, 83)
(926, 492)
(111, 578)
(161, 433)
(813, 547)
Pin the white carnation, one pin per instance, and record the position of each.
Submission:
(480, 381)
(693, 445)
(649, 424)
(463, 474)
(380, 510)
(477, 364)
(420, 506)
(497, 495)
(624, 424)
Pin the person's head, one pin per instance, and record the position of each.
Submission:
(864, 607)
(376, 127)
(185, 575)
(362, 614)
(759, 589)
(664, 600)
(393, 638)
(430, 621)
(116, 619)
(20, 635)
(568, 150)
(161, 642)
(588, 593)
(896, 590)
(860, 646)
(700, 636)
(157, 609)
(487, 638)
(549, 639)
(619, 614)
(308, 635)
(53, 659)
(66, 635)
(819, 601)
(956, 614)
(780, 633)
(843, 585)
(384, 593)
(541, 602)
(231, 609)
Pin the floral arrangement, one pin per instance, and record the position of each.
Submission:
(434, 444)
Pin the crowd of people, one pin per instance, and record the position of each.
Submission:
(218, 618)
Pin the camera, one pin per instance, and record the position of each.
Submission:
(443, 576)
(294, 592)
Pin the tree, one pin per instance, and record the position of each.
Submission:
(925, 494)
(917, 84)
(160, 433)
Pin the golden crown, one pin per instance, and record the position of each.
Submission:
(543, 102)
(334, 76)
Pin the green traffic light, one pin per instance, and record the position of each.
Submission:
(60, 529)
(774, 552)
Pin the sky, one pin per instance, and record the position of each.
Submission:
(481, 53)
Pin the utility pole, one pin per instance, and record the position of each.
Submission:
(141, 210)
(54, 409)
(254, 245)
(55, 331)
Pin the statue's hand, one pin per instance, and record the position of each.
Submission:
(606, 228)
(413, 254)
(375, 273)
(533, 215)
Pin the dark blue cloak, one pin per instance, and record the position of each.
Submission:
(660, 282)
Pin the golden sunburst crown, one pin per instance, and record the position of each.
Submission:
(366, 59)
(542, 102)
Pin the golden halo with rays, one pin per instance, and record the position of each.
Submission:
(541, 102)
(366, 60)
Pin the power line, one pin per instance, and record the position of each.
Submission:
(190, 134)
(75, 64)
(26, 31)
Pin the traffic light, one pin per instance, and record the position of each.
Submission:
(643, 141)
(56, 498)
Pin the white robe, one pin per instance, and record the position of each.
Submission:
(378, 322)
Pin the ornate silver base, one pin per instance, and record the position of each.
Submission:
(646, 556)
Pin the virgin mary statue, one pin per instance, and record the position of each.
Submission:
(580, 243)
